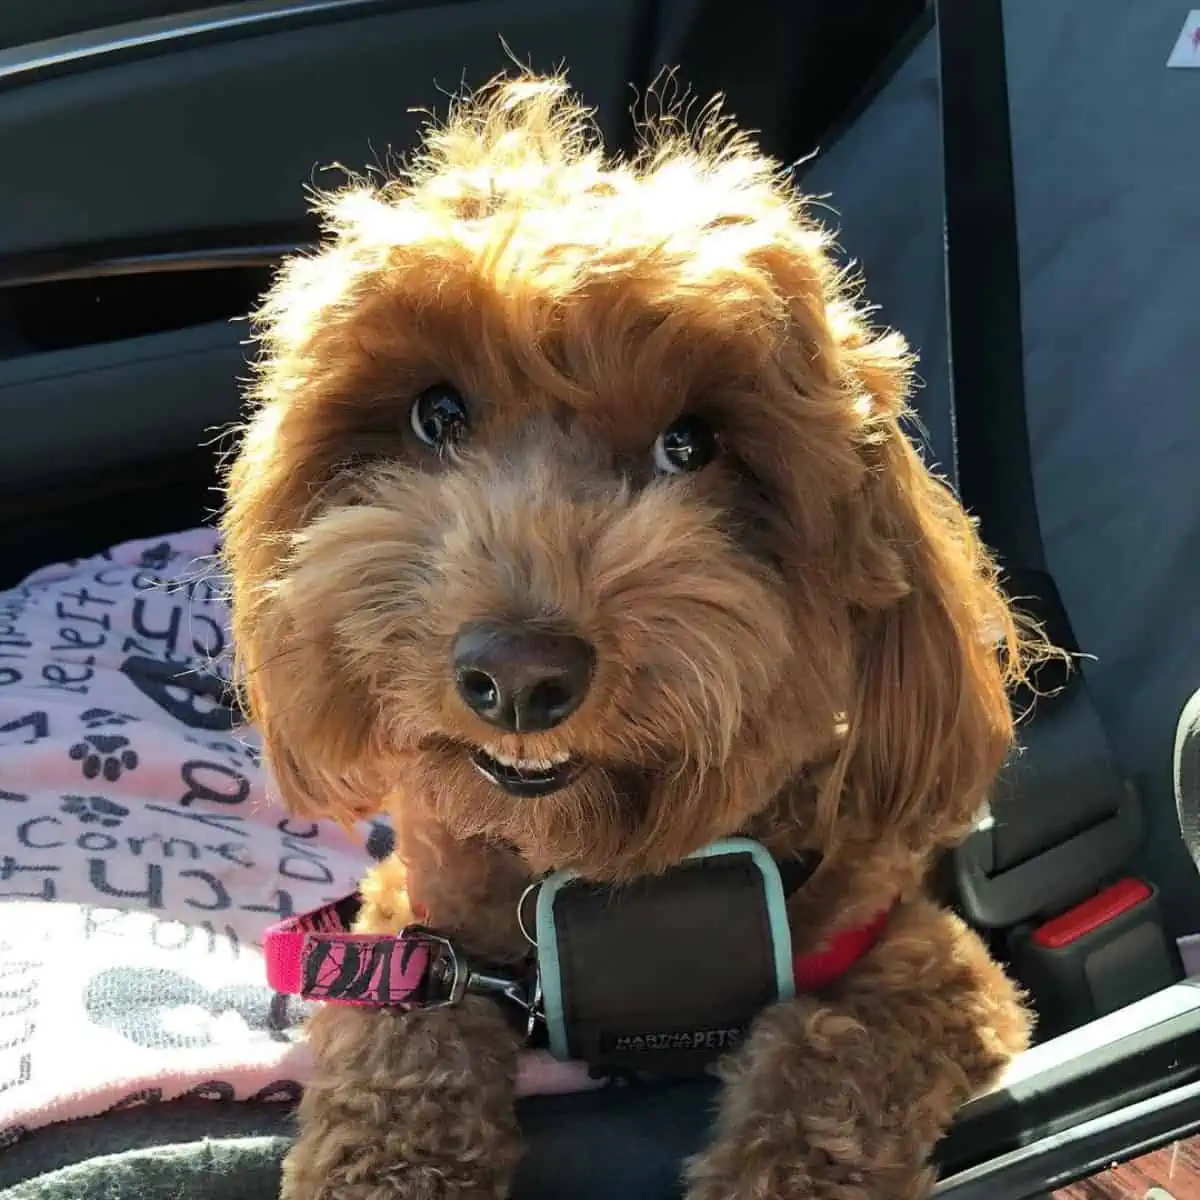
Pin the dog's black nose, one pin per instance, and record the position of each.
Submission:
(520, 678)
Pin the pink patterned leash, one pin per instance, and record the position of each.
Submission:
(317, 957)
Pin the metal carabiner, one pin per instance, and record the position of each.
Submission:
(451, 977)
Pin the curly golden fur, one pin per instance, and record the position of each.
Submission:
(804, 641)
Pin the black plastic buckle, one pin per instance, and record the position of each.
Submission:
(1067, 763)
(994, 899)
(1097, 957)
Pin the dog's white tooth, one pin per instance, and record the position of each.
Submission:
(531, 765)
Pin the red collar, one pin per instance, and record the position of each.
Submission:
(817, 970)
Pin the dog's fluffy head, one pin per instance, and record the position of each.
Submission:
(661, 425)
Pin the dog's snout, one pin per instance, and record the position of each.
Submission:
(520, 678)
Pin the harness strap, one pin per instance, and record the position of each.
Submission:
(316, 957)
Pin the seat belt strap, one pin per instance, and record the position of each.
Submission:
(983, 292)
(995, 478)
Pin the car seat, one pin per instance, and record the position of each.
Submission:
(1067, 824)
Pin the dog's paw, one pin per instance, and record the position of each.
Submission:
(722, 1175)
(398, 1164)
(407, 1106)
(751, 1168)
(453, 1181)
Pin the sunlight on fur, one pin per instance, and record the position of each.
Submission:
(575, 526)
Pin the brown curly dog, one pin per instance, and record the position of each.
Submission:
(575, 526)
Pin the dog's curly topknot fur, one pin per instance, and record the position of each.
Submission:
(803, 641)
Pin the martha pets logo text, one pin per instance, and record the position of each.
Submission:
(686, 1040)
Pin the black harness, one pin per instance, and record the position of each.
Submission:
(662, 974)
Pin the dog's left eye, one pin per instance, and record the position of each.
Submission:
(684, 446)
(439, 416)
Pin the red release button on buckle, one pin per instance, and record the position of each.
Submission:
(1091, 915)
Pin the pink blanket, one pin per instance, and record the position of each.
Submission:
(133, 797)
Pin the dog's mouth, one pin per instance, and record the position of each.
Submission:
(526, 777)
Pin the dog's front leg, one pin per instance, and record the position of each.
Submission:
(844, 1097)
(407, 1106)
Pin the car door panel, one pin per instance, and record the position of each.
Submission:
(226, 134)
(155, 172)
(118, 402)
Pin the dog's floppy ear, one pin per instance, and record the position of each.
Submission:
(314, 736)
(937, 645)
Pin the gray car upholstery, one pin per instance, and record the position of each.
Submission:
(1107, 205)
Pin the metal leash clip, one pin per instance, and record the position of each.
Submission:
(450, 977)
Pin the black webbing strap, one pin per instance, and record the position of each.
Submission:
(983, 277)
(1062, 818)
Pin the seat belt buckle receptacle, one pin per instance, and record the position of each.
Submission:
(1097, 957)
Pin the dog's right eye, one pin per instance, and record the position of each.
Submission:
(439, 416)
(686, 446)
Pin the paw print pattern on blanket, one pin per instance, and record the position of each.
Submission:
(129, 777)
(94, 810)
(106, 754)
(98, 718)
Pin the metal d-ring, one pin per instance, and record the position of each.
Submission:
(534, 1009)
(529, 937)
